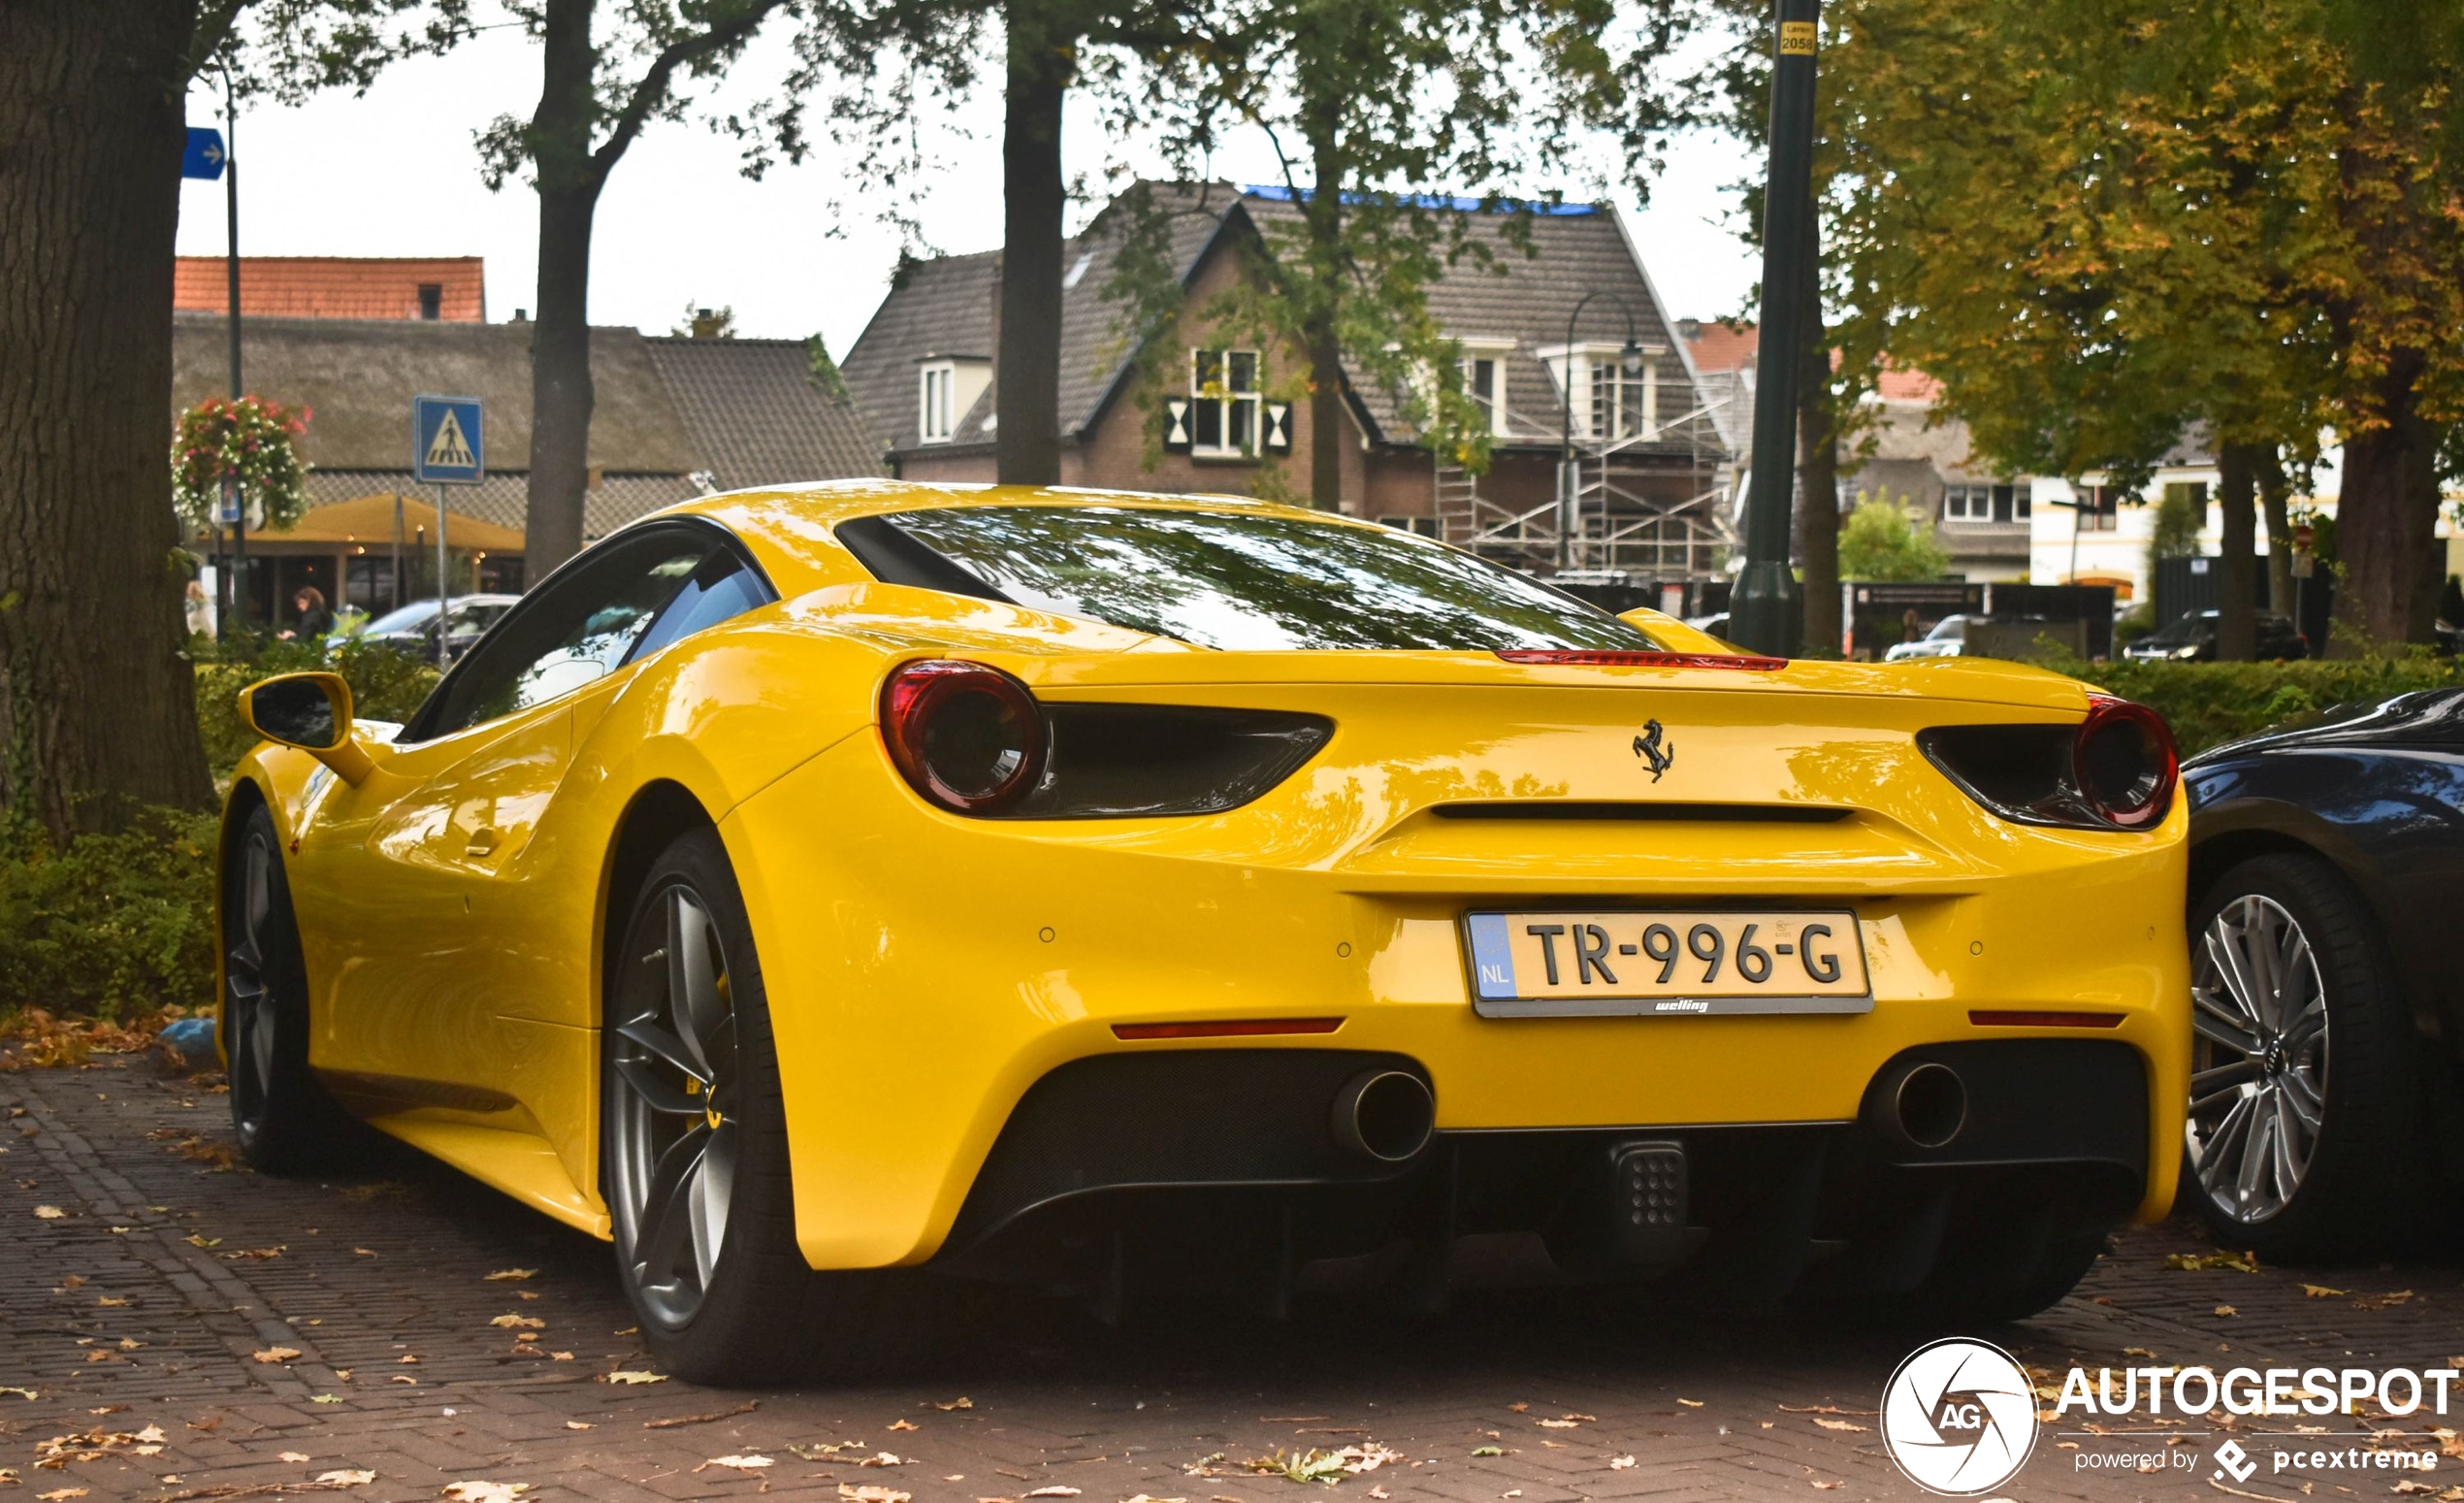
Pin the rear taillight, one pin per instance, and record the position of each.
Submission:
(1592, 657)
(967, 737)
(2123, 761)
(974, 740)
(2117, 769)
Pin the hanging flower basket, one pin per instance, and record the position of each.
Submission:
(250, 441)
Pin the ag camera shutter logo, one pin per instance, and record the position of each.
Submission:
(1958, 1417)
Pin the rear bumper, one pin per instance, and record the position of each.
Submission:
(927, 976)
(1190, 1157)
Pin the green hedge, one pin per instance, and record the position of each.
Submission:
(121, 924)
(2210, 703)
(113, 926)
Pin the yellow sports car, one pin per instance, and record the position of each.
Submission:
(816, 890)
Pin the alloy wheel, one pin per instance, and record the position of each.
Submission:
(248, 1006)
(675, 1085)
(2259, 1063)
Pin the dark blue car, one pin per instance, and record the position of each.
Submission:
(2327, 955)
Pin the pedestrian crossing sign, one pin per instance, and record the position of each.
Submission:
(446, 441)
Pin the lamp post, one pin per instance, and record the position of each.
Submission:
(1765, 613)
(234, 502)
(1569, 477)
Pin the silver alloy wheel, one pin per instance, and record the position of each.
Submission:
(675, 1083)
(249, 1004)
(2258, 1065)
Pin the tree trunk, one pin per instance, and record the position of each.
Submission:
(2386, 522)
(2275, 493)
(97, 702)
(561, 394)
(1028, 364)
(1323, 215)
(1817, 467)
(2237, 571)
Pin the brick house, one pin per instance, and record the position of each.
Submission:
(1904, 451)
(1646, 453)
(428, 288)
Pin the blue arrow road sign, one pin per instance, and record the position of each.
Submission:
(204, 157)
(445, 441)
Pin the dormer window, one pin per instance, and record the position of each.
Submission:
(935, 420)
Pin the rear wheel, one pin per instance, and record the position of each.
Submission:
(695, 1145)
(2302, 1100)
(283, 1117)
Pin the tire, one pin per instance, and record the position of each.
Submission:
(283, 1117)
(694, 1145)
(2304, 1102)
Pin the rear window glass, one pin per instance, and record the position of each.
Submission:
(1241, 581)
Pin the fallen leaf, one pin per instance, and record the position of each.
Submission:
(361, 1252)
(2132, 1351)
(1691, 1403)
(297, 1456)
(632, 1376)
(352, 1478)
(2191, 1262)
(2321, 1292)
(109, 1302)
(1488, 1451)
(1620, 1464)
(1519, 1408)
(1558, 1425)
(904, 1424)
(325, 1398)
(960, 1402)
(485, 1491)
(848, 1494)
(1828, 1485)
(1054, 1491)
(60, 1494)
(2227, 1310)
(502, 1275)
(73, 1281)
(519, 1323)
(739, 1463)
(882, 1459)
(1839, 1424)
(52, 1213)
(276, 1354)
(200, 1239)
(20, 1392)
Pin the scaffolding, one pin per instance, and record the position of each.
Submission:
(1624, 522)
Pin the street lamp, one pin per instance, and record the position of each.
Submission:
(1568, 487)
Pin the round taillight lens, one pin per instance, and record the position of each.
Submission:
(968, 737)
(2125, 762)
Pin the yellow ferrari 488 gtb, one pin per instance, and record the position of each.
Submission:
(816, 890)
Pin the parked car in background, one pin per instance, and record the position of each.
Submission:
(2193, 639)
(1947, 639)
(2327, 973)
(412, 629)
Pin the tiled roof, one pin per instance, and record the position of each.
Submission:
(334, 287)
(753, 408)
(1716, 346)
(945, 306)
(1527, 299)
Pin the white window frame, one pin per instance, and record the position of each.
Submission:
(1227, 402)
(1495, 352)
(936, 385)
(1578, 365)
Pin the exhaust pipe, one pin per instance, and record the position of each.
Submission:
(1921, 1104)
(1385, 1115)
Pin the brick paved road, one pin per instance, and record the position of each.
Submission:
(136, 1314)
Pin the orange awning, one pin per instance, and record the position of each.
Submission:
(369, 520)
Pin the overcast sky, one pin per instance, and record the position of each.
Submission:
(395, 172)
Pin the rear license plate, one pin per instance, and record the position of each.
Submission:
(1648, 963)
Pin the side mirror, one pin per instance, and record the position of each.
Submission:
(309, 711)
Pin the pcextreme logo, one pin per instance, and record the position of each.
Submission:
(1958, 1417)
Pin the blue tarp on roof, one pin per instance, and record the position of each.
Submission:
(1285, 195)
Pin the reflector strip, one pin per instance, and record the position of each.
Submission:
(1570, 657)
(1245, 1027)
(2045, 1020)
